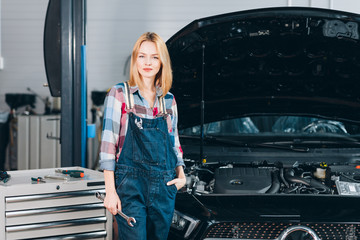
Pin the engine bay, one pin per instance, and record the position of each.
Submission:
(265, 178)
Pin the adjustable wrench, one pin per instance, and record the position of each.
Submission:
(129, 220)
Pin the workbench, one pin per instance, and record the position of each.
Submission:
(56, 209)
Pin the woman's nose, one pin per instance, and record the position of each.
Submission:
(148, 61)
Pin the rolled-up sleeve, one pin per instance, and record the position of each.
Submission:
(110, 131)
(177, 147)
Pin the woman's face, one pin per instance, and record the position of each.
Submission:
(148, 60)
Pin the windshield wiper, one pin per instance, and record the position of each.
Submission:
(284, 147)
(207, 138)
(294, 144)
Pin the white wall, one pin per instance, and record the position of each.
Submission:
(112, 28)
(22, 24)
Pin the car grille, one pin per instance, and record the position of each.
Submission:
(263, 230)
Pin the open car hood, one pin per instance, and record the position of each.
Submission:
(267, 61)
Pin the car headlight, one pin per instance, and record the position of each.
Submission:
(183, 223)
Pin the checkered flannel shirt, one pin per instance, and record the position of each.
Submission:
(115, 126)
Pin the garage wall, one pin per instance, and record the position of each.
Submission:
(22, 25)
(112, 28)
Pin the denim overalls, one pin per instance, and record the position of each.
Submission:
(146, 163)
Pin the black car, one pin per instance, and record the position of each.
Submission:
(269, 122)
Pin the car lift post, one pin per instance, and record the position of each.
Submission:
(72, 38)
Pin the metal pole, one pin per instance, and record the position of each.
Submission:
(73, 128)
(202, 106)
(79, 119)
(67, 140)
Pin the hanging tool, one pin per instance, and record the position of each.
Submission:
(72, 173)
(129, 220)
(38, 179)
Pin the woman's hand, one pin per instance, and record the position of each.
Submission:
(180, 180)
(112, 203)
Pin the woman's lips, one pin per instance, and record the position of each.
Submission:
(147, 69)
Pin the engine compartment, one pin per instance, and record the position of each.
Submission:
(266, 178)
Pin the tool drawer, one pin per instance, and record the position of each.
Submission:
(55, 209)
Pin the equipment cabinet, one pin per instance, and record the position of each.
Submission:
(37, 140)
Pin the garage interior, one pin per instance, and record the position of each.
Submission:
(57, 60)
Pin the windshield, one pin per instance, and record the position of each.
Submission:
(276, 126)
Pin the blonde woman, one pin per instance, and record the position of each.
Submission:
(140, 153)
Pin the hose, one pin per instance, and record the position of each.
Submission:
(275, 186)
(289, 176)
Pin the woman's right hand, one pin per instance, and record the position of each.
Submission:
(112, 203)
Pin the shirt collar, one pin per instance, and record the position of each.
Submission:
(135, 88)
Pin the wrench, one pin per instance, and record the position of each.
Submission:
(129, 220)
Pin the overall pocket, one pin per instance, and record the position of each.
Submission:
(149, 146)
(172, 189)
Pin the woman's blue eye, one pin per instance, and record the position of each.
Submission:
(141, 56)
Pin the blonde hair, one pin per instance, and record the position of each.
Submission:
(163, 78)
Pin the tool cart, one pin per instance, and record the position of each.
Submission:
(54, 204)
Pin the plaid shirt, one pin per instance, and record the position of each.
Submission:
(116, 122)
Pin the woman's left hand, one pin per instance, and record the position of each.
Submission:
(179, 182)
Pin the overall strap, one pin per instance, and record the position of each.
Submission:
(129, 97)
(162, 105)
